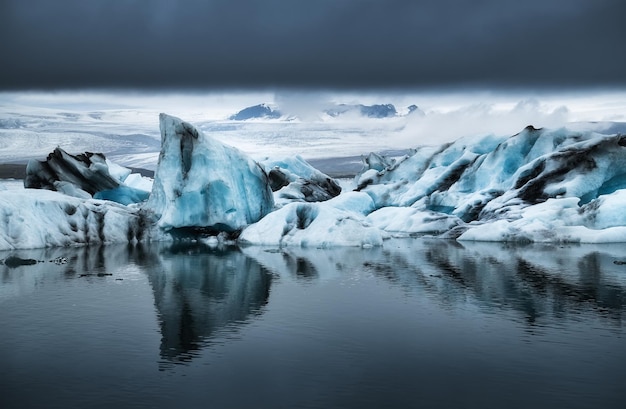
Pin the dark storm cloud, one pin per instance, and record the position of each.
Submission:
(321, 43)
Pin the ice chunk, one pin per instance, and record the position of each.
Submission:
(408, 220)
(559, 220)
(312, 225)
(204, 186)
(294, 179)
(87, 172)
(377, 162)
(606, 211)
(357, 202)
(41, 218)
(123, 194)
(136, 181)
(84, 176)
(118, 172)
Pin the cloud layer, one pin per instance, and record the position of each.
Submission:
(311, 44)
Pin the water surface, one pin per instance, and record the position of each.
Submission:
(416, 323)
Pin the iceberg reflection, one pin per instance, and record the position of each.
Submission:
(535, 281)
(199, 292)
(203, 296)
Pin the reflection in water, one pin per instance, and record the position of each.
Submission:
(199, 292)
(202, 293)
(397, 326)
(535, 280)
(71, 262)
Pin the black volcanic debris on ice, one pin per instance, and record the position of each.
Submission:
(87, 171)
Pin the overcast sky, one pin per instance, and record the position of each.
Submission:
(311, 44)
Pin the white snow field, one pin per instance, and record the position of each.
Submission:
(540, 185)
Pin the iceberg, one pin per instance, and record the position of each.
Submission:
(42, 218)
(483, 178)
(492, 188)
(85, 176)
(316, 225)
(559, 220)
(202, 186)
(294, 179)
(81, 175)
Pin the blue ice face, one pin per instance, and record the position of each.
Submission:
(203, 184)
(123, 194)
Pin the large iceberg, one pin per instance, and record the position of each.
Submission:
(485, 178)
(203, 186)
(492, 188)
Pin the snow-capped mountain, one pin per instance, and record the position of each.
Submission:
(266, 111)
(261, 111)
(370, 111)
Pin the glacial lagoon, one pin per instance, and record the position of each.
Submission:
(415, 323)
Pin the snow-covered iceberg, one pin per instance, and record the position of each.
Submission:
(203, 186)
(489, 186)
(602, 220)
(42, 218)
(337, 222)
(478, 179)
